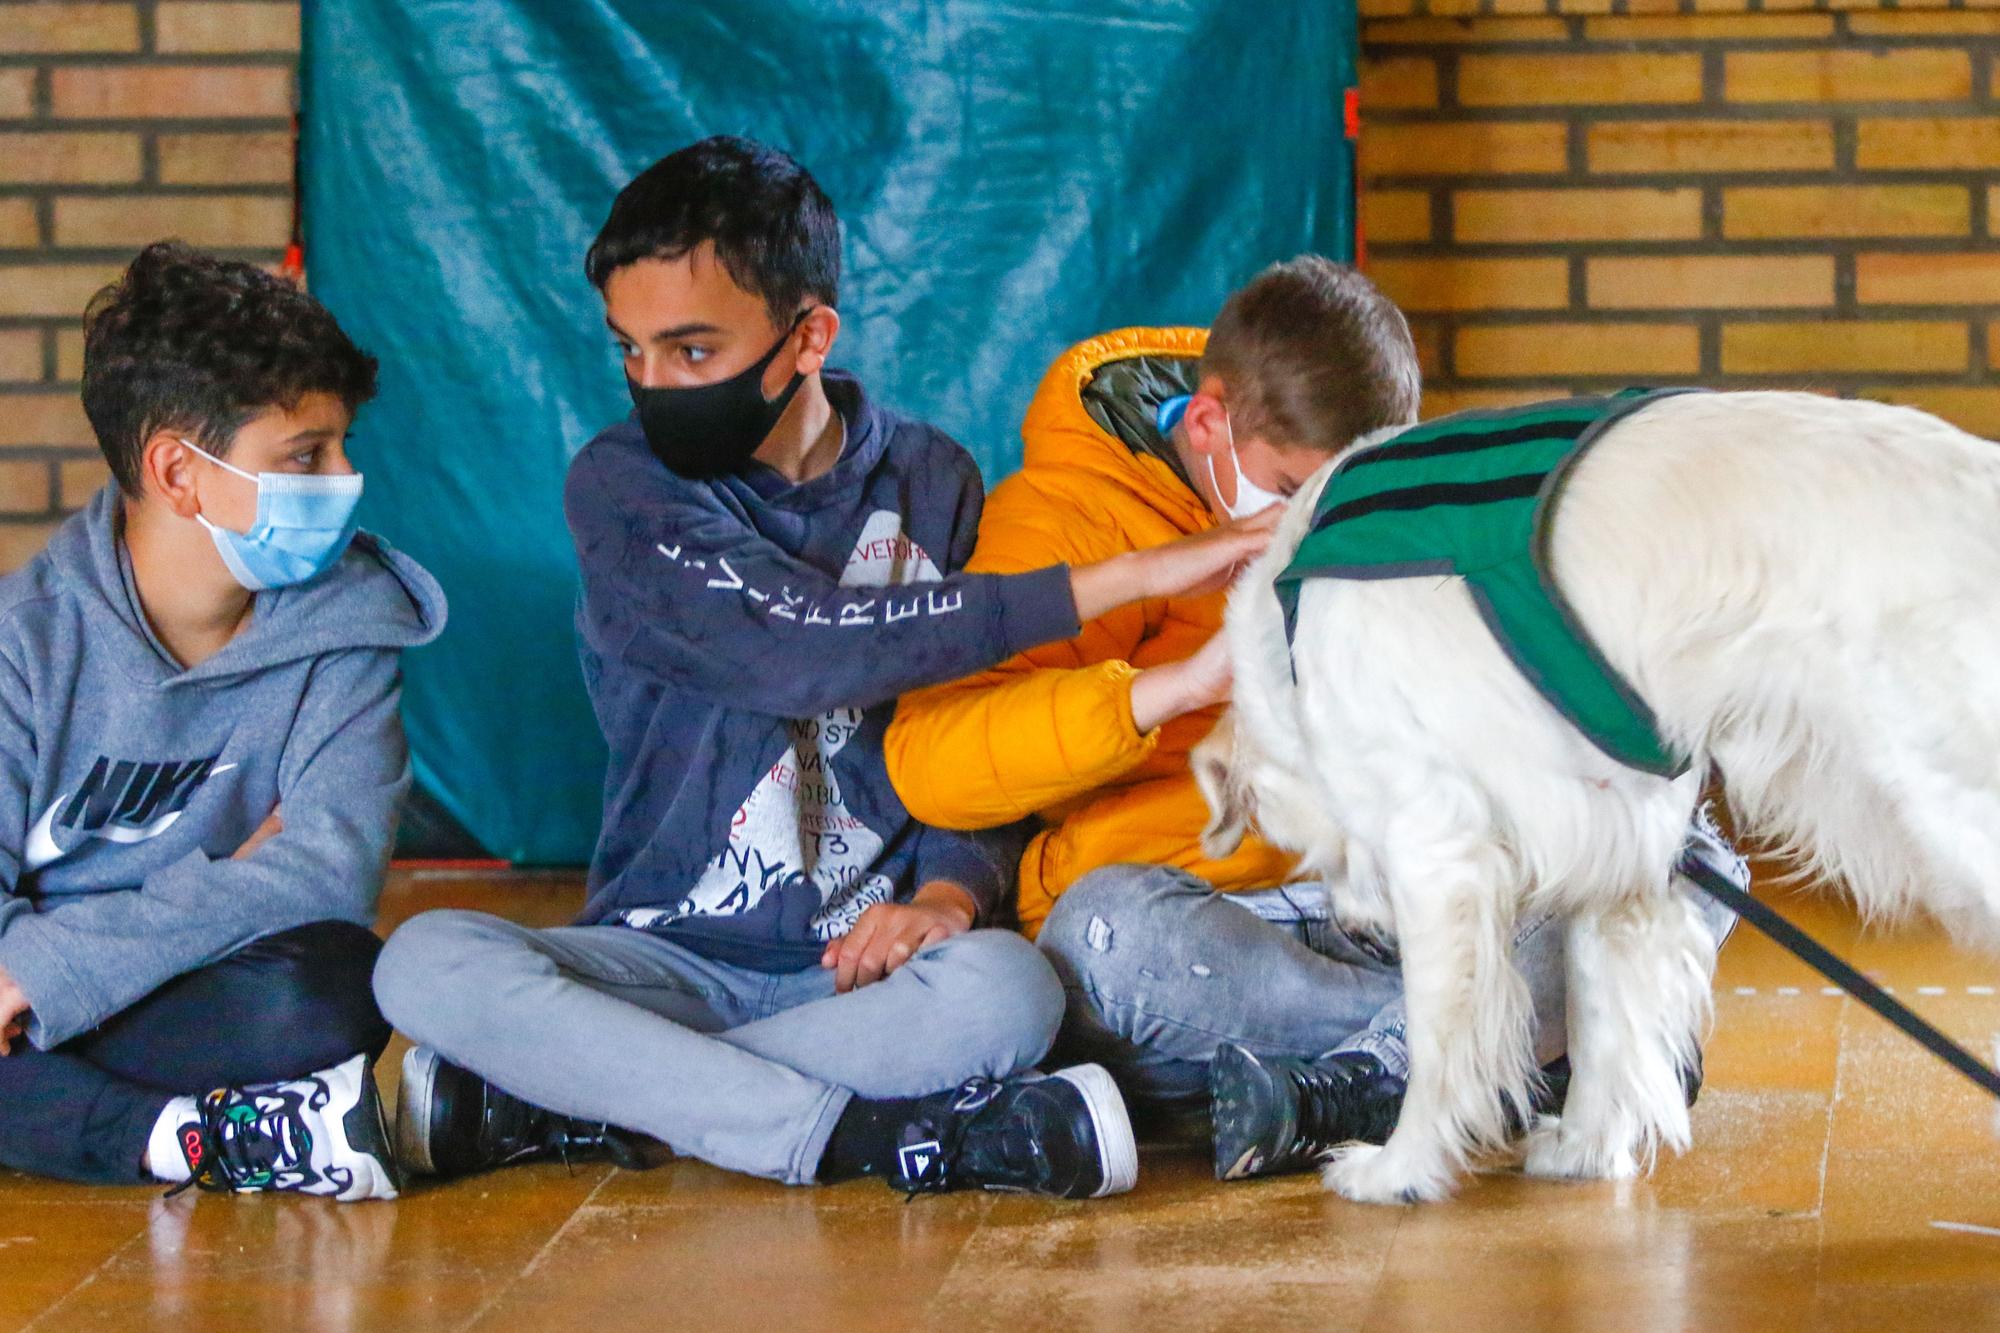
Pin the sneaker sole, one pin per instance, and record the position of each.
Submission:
(413, 1110)
(1239, 1098)
(1117, 1149)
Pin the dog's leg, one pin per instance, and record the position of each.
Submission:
(1639, 997)
(1454, 894)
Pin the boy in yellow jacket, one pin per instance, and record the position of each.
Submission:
(1286, 1027)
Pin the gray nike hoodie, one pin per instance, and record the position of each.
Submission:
(127, 782)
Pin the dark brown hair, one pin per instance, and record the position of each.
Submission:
(188, 342)
(1313, 356)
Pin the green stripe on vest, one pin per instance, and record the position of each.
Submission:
(1472, 495)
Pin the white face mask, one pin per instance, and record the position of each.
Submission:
(1250, 497)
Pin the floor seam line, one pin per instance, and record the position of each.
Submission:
(528, 1268)
(90, 1277)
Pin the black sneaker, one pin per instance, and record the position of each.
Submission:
(1065, 1135)
(451, 1122)
(322, 1134)
(1275, 1114)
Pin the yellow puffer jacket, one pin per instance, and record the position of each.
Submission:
(1050, 732)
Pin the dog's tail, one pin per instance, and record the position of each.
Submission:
(1817, 610)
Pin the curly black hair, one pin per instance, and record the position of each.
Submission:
(187, 342)
(773, 228)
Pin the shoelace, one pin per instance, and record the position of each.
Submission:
(1321, 1090)
(567, 1134)
(972, 1100)
(228, 1159)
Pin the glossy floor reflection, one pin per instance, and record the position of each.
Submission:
(1829, 1151)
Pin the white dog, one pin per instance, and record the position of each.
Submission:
(1806, 591)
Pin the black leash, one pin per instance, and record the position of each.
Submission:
(1823, 961)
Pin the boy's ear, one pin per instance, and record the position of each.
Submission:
(166, 473)
(1206, 419)
(817, 332)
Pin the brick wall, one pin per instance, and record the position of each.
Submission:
(1565, 197)
(1565, 194)
(120, 124)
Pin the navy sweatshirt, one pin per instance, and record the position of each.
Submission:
(744, 641)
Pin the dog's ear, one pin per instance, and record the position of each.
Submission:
(1214, 764)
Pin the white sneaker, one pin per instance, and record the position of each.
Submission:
(322, 1134)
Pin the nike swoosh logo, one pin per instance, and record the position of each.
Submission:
(42, 848)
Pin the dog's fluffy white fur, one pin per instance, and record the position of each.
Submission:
(1807, 592)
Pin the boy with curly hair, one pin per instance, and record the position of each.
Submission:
(200, 758)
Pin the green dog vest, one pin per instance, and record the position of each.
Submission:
(1472, 496)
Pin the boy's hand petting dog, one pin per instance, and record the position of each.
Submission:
(1204, 562)
(14, 1008)
(887, 935)
(1227, 550)
(1163, 693)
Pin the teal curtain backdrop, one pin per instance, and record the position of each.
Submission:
(1012, 177)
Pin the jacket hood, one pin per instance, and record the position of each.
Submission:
(373, 597)
(1060, 433)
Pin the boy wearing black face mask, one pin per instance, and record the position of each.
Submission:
(777, 969)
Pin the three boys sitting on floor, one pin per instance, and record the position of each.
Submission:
(794, 958)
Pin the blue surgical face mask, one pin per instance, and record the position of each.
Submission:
(303, 524)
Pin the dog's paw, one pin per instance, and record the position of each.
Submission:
(1365, 1173)
(1558, 1152)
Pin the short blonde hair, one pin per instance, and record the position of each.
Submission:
(1313, 356)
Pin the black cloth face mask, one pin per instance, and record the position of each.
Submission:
(711, 430)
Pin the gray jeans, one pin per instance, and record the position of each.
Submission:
(747, 1070)
(1161, 970)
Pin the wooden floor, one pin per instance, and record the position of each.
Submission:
(1841, 1179)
